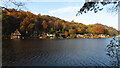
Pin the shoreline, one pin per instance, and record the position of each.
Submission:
(53, 36)
(56, 38)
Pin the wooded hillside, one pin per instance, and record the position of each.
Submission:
(27, 23)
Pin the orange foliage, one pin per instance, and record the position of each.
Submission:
(44, 24)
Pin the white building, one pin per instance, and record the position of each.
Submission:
(16, 34)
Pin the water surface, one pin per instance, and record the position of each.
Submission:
(65, 52)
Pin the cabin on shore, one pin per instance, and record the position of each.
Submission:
(51, 36)
(16, 35)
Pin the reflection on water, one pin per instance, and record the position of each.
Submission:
(67, 52)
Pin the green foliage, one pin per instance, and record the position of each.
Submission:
(72, 35)
(26, 32)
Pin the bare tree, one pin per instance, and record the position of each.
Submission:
(94, 5)
(113, 50)
(13, 3)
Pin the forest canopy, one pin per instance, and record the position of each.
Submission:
(27, 23)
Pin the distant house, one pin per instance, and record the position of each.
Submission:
(101, 36)
(51, 36)
(79, 36)
(16, 34)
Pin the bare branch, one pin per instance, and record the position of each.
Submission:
(17, 4)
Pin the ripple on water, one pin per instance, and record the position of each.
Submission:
(72, 52)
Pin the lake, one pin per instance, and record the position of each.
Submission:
(64, 52)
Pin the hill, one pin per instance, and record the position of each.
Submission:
(28, 24)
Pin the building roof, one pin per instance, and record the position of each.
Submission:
(16, 32)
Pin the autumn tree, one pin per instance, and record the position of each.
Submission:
(56, 25)
(97, 30)
(27, 26)
(64, 26)
(27, 22)
(72, 33)
(44, 24)
(112, 32)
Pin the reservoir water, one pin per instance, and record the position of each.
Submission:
(64, 52)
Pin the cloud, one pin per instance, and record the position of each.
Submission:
(66, 13)
(64, 10)
(69, 14)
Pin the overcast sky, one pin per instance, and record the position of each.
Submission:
(68, 10)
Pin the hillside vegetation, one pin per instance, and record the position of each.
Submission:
(28, 23)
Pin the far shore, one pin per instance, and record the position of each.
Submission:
(68, 37)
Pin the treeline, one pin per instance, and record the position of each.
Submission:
(27, 23)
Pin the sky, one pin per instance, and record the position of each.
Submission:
(68, 10)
